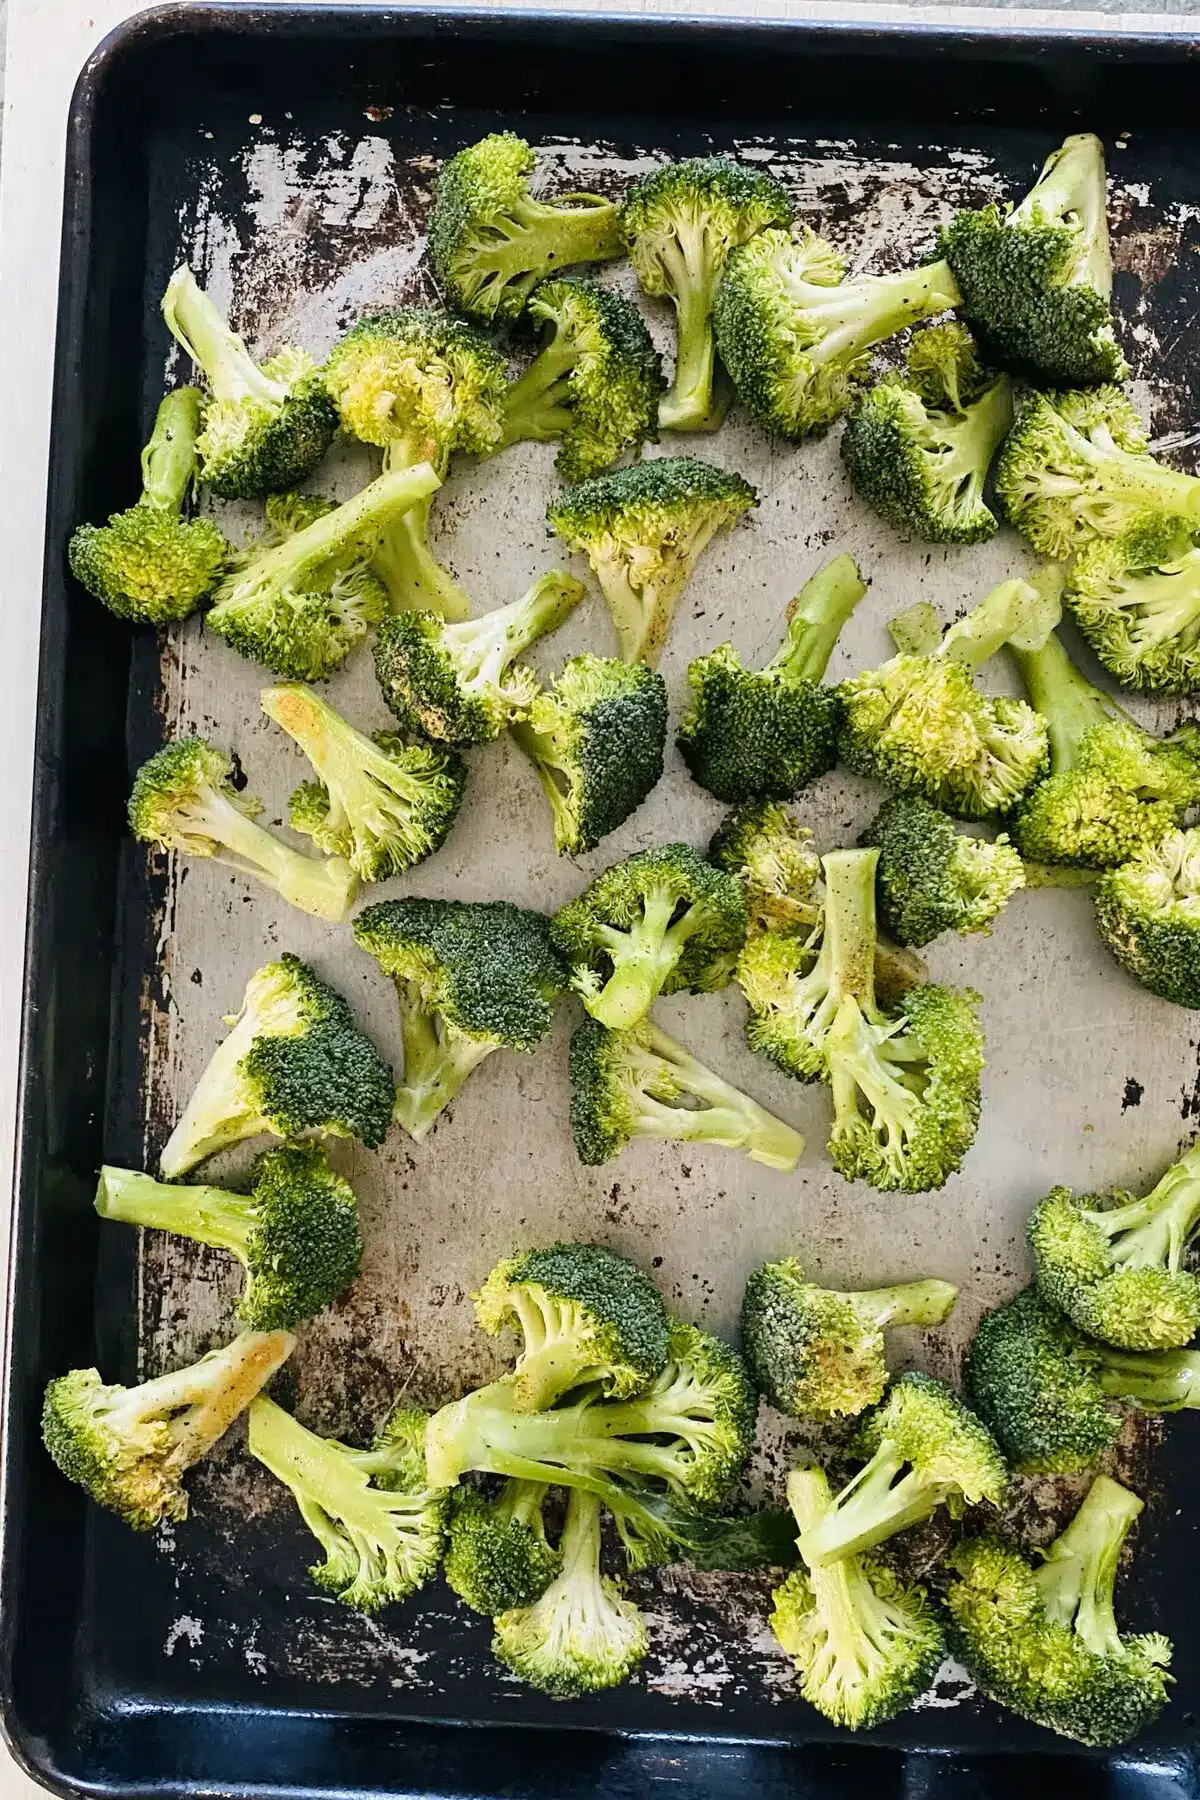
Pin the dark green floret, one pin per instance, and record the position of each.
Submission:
(932, 878)
(497, 1553)
(1148, 913)
(1136, 599)
(772, 855)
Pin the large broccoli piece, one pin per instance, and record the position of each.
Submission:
(1148, 913)
(184, 800)
(681, 222)
(492, 242)
(766, 734)
(1136, 599)
(817, 1353)
(865, 1644)
(265, 426)
(129, 1448)
(773, 857)
(1036, 280)
(472, 977)
(294, 1063)
(498, 1556)
(795, 334)
(1044, 1642)
(642, 530)
(931, 878)
(376, 1515)
(148, 564)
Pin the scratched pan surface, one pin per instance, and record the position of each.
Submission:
(299, 208)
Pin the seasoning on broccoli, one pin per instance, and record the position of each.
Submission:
(931, 878)
(1148, 913)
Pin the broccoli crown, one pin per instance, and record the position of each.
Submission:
(1136, 599)
(1033, 1379)
(772, 856)
(497, 1553)
(930, 878)
(1121, 796)
(417, 378)
(785, 987)
(1148, 913)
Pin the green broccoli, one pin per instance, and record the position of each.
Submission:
(931, 878)
(294, 1063)
(681, 222)
(766, 734)
(184, 800)
(491, 242)
(265, 426)
(1148, 913)
(816, 1353)
(773, 857)
(472, 977)
(1136, 599)
(643, 529)
(498, 1556)
(129, 1448)
(1044, 1642)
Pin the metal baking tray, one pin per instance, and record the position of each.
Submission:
(288, 152)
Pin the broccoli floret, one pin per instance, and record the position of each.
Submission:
(641, 1083)
(766, 734)
(498, 1556)
(148, 564)
(492, 242)
(594, 383)
(129, 1448)
(1037, 280)
(680, 223)
(184, 800)
(379, 1519)
(795, 334)
(816, 1353)
(773, 857)
(1075, 467)
(918, 447)
(932, 878)
(294, 1063)
(472, 977)
(865, 1644)
(382, 804)
(301, 606)
(1115, 1264)
(1148, 913)
(922, 1449)
(265, 426)
(1136, 599)
(1045, 1642)
(642, 530)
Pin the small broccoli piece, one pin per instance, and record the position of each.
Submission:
(1148, 913)
(766, 734)
(795, 334)
(265, 426)
(472, 977)
(642, 530)
(865, 1644)
(1114, 1263)
(641, 1083)
(772, 856)
(492, 242)
(931, 878)
(375, 1513)
(382, 804)
(594, 382)
(816, 1353)
(1037, 280)
(498, 1556)
(184, 800)
(1136, 599)
(1045, 1642)
(129, 1448)
(294, 1063)
(148, 564)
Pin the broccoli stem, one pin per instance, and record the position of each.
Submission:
(1071, 190)
(860, 1627)
(1159, 1380)
(536, 404)
(1155, 1231)
(906, 1303)
(643, 957)
(209, 1395)
(815, 620)
(483, 648)
(486, 1425)
(1076, 1580)
(329, 1482)
(1066, 699)
(873, 1507)
(1015, 611)
(414, 578)
(169, 459)
(854, 316)
(359, 524)
(727, 1117)
(198, 326)
(850, 929)
(208, 1215)
(535, 235)
(688, 406)
(437, 1060)
(1126, 472)
(322, 886)
(975, 435)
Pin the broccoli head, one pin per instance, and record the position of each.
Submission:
(772, 855)
(1148, 913)
(498, 1556)
(1136, 599)
(931, 878)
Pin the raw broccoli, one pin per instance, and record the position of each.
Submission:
(472, 977)
(492, 242)
(773, 857)
(641, 1083)
(148, 564)
(795, 334)
(1148, 913)
(922, 1449)
(594, 383)
(816, 1353)
(681, 222)
(1037, 280)
(766, 734)
(650, 925)
(1076, 466)
(1136, 599)
(498, 1556)
(1115, 1264)
(642, 530)
(865, 1644)
(294, 1063)
(381, 803)
(301, 606)
(129, 1448)
(265, 426)
(376, 1515)
(184, 800)
(1044, 1642)
(596, 738)
(931, 878)
(918, 446)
